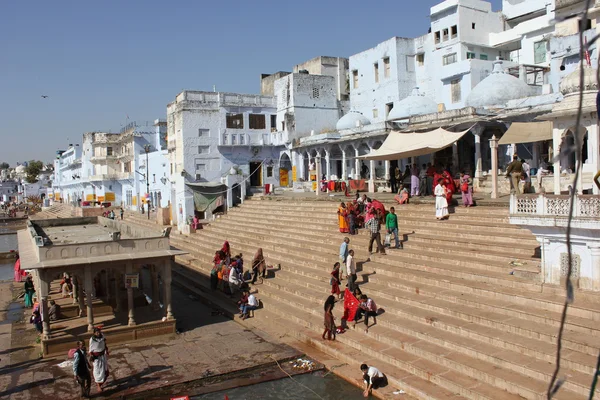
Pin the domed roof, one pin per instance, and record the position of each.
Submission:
(415, 104)
(570, 83)
(497, 89)
(352, 120)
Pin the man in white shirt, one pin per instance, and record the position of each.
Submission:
(351, 271)
(374, 379)
(251, 305)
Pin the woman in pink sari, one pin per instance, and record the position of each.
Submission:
(19, 275)
(402, 196)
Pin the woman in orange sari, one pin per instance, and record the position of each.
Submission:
(342, 220)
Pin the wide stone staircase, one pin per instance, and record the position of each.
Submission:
(465, 314)
(55, 211)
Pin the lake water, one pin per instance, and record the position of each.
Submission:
(7, 243)
(326, 386)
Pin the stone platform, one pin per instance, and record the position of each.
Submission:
(466, 314)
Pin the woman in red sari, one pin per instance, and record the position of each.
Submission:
(226, 252)
(335, 280)
(450, 186)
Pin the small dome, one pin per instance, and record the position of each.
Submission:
(497, 89)
(570, 83)
(352, 120)
(415, 104)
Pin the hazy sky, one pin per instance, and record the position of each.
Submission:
(101, 61)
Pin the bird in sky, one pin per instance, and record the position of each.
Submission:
(44, 96)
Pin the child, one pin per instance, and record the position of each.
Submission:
(335, 280)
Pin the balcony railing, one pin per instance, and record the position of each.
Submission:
(111, 177)
(544, 205)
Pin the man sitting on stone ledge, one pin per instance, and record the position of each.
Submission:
(54, 311)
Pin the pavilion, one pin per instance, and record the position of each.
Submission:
(105, 259)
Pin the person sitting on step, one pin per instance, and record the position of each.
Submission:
(368, 308)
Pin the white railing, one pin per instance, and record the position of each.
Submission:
(544, 205)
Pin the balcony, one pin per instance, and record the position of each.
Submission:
(116, 176)
(555, 207)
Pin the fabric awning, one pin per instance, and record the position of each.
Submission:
(413, 144)
(527, 132)
(207, 193)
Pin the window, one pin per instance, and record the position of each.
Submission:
(376, 72)
(410, 64)
(273, 123)
(200, 167)
(420, 60)
(483, 56)
(470, 55)
(283, 125)
(449, 59)
(388, 108)
(455, 89)
(225, 138)
(235, 121)
(257, 121)
(203, 132)
(453, 32)
(153, 178)
(539, 49)
(473, 25)
(445, 35)
(355, 79)
(269, 172)
(242, 139)
(203, 149)
(386, 67)
(233, 139)
(437, 37)
(315, 93)
(109, 151)
(375, 113)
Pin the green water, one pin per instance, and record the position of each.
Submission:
(328, 387)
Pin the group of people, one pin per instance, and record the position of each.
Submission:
(112, 215)
(228, 275)
(94, 363)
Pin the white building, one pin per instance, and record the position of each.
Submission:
(219, 144)
(111, 167)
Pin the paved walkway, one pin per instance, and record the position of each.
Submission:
(210, 345)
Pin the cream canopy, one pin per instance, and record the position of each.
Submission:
(413, 144)
(527, 132)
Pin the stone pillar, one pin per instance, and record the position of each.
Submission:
(594, 152)
(356, 164)
(594, 249)
(455, 156)
(155, 294)
(80, 295)
(167, 288)
(556, 140)
(309, 171)
(494, 150)
(478, 162)
(318, 173)
(344, 169)
(89, 287)
(118, 280)
(243, 190)
(44, 291)
(75, 288)
(327, 164)
(371, 176)
(300, 169)
(130, 305)
(386, 166)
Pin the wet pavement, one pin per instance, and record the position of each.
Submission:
(209, 346)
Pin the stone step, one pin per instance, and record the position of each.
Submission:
(288, 238)
(394, 347)
(275, 252)
(430, 312)
(263, 319)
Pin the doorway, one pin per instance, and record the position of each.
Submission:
(255, 174)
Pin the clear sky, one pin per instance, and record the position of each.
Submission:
(101, 61)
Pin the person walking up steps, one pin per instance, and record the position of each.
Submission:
(391, 224)
(344, 254)
(375, 229)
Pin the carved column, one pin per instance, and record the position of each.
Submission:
(155, 294)
(318, 172)
(80, 295)
(167, 288)
(44, 289)
(344, 168)
(327, 164)
(88, 296)
(356, 164)
(130, 305)
(494, 150)
(556, 140)
(595, 265)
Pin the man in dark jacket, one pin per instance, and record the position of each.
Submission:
(514, 171)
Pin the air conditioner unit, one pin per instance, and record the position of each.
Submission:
(198, 177)
(39, 241)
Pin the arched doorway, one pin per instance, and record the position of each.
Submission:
(285, 166)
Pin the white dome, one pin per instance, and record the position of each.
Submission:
(570, 83)
(20, 169)
(415, 104)
(352, 120)
(497, 89)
